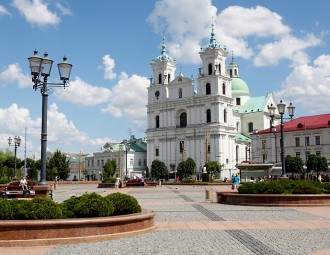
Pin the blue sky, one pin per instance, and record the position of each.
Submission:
(280, 46)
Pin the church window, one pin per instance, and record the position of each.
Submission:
(208, 115)
(210, 69)
(160, 78)
(157, 152)
(235, 72)
(237, 153)
(225, 116)
(224, 89)
(168, 77)
(231, 72)
(183, 119)
(219, 68)
(180, 93)
(250, 127)
(238, 101)
(208, 88)
(157, 121)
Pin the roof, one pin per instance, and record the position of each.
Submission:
(213, 43)
(254, 104)
(303, 123)
(240, 137)
(163, 55)
(239, 87)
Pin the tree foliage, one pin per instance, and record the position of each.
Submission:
(316, 163)
(109, 168)
(186, 168)
(294, 165)
(213, 167)
(58, 165)
(158, 169)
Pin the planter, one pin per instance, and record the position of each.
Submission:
(59, 231)
(273, 199)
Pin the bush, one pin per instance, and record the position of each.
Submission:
(4, 180)
(44, 208)
(123, 203)
(273, 188)
(188, 180)
(6, 210)
(93, 205)
(306, 188)
(68, 207)
(109, 180)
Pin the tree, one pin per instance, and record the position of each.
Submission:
(316, 163)
(109, 168)
(58, 165)
(294, 165)
(212, 168)
(158, 169)
(186, 168)
(147, 172)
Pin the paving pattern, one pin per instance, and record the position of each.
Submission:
(188, 224)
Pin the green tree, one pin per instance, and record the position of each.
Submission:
(186, 168)
(316, 163)
(294, 165)
(109, 168)
(58, 165)
(212, 168)
(147, 173)
(158, 169)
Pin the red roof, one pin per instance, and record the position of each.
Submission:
(303, 123)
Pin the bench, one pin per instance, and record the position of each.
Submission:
(137, 183)
(14, 190)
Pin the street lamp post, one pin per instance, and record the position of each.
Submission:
(41, 67)
(127, 149)
(281, 110)
(17, 143)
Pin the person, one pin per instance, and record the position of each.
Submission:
(319, 178)
(117, 183)
(141, 180)
(56, 182)
(236, 181)
(23, 183)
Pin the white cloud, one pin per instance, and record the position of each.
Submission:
(13, 75)
(3, 11)
(235, 27)
(309, 85)
(129, 98)
(109, 65)
(82, 93)
(65, 10)
(36, 12)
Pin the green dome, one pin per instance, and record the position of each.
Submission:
(239, 87)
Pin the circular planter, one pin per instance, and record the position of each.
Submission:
(59, 231)
(273, 199)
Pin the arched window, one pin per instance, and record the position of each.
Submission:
(238, 101)
(180, 93)
(208, 88)
(231, 72)
(183, 119)
(223, 88)
(237, 153)
(225, 116)
(235, 72)
(210, 69)
(168, 78)
(208, 115)
(250, 127)
(219, 68)
(157, 121)
(160, 78)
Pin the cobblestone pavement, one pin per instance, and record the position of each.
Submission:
(187, 224)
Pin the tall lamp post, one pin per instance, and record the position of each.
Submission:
(41, 68)
(127, 149)
(281, 110)
(17, 143)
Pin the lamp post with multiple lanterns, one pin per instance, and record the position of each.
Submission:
(17, 143)
(281, 110)
(40, 71)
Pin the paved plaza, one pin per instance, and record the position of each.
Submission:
(187, 224)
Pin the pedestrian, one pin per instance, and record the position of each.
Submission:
(23, 183)
(236, 181)
(117, 183)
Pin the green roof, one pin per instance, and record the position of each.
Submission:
(254, 104)
(239, 87)
(240, 137)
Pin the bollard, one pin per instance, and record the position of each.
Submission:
(208, 195)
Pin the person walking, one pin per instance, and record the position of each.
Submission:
(117, 183)
(236, 181)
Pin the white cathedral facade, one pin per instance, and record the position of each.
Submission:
(208, 119)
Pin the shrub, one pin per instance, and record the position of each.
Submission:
(188, 180)
(44, 208)
(273, 188)
(109, 180)
(68, 207)
(22, 209)
(93, 205)
(306, 188)
(123, 203)
(6, 210)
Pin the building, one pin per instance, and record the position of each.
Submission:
(130, 156)
(207, 119)
(302, 136)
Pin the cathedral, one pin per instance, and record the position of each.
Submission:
(209, 118)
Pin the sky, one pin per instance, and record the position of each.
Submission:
(280, 46)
